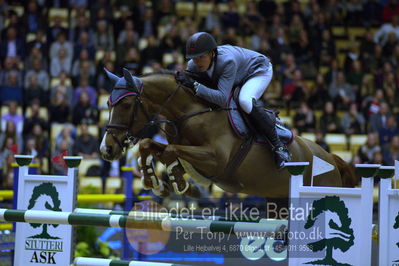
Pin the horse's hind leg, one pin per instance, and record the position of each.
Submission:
(175, 173)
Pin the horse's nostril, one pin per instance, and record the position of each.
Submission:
(109, 149)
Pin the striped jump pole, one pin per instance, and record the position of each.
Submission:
(122, 221)
(161, 215)
(107, 262)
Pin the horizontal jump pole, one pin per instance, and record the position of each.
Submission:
(85, 198)
(107, 198)
(122, 221)
(96, 198)
(107, 262)
(6, 194)
(5, 226)
(162, 215)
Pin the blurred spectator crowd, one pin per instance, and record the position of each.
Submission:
(336, 66)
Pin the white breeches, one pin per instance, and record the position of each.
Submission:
(254, 88)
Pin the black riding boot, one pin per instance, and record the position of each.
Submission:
(266, 124)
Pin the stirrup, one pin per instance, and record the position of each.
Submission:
(282, 155)
(279, 162)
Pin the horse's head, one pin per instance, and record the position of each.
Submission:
(130, 105)
(125, 106)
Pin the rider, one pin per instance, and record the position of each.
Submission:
(228, 66)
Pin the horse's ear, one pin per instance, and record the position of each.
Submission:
(129, 79)
(112, 78)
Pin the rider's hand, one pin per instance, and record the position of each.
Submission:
(185, 79)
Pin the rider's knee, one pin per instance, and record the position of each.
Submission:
(245, 104)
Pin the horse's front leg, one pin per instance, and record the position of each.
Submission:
(169, 155)
(149, 150)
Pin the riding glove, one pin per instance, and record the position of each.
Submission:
(185, 79)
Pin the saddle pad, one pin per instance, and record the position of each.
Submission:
(242, 130)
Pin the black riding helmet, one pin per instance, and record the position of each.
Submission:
(199, 44)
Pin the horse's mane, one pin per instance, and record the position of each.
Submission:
(172, 73)
(161, 72)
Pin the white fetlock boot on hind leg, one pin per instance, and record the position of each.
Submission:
(174, 181)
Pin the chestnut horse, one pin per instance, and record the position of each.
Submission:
(201, 142)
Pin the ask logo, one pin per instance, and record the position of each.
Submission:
(338, 231)
(44, 245)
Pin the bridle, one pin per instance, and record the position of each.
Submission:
(132, 138)
(129, 139)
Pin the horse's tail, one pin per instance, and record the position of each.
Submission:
(347, 171)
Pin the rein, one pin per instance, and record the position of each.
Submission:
(179, 122)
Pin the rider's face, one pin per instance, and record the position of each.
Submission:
(203, 62)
